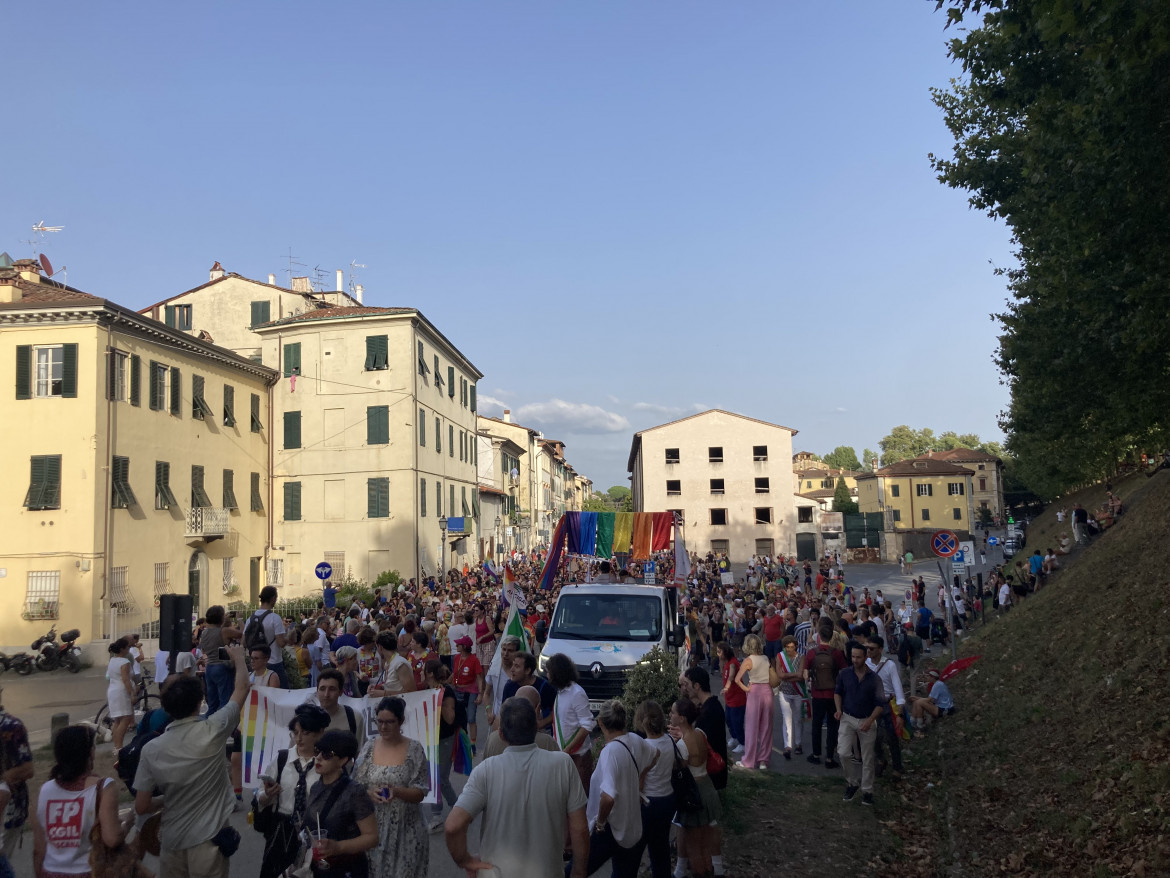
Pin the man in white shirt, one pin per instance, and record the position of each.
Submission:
(891, 680)
(614, 813)
(1005, 596)
(184, 664)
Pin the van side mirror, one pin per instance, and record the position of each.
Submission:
(676, 637)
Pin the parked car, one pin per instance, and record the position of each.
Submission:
(1010, 547)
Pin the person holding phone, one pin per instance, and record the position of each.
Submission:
(212, 643)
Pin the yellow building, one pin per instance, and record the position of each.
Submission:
(919, 494)
(140, 460)
(820, 482)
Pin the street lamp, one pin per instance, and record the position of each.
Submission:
(499, 553)
(443, 548)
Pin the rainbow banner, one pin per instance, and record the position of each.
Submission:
(267, 713)
(605, 522)
(623, 531)
(549, 575)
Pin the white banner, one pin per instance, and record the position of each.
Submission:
(267, 713)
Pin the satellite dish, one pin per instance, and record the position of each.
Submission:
(46, 265)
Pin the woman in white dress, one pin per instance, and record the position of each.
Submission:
(120, 692)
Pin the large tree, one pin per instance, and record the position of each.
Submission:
(621, 497)
(843, 457)
(1061, 123)
(842, 500)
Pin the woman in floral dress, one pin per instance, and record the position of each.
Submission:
(394, 771)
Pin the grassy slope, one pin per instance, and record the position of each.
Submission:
(1059, 760)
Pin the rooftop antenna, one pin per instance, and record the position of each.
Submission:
(291, 263)
(352, 276)
(40, 228)
(319, 282)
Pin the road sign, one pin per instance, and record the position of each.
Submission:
(967, 547)
(324, 570)
(944, 543)
(993, 541)
(648, 571)
(958, 558)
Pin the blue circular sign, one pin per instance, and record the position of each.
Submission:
(324, 570)
(993, 541)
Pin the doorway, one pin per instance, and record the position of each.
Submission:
(197, 580)
(806, 547)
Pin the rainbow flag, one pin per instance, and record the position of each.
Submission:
(553, 562)
(461, 753)
(605, 522)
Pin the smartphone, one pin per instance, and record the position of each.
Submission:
(223, 654)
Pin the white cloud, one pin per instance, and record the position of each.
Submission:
(840, 409)
(499, 391)
(486, 404)
(655, 408)
(571, 417)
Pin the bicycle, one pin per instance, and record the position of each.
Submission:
(144, 702)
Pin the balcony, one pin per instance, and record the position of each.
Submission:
(208, 523)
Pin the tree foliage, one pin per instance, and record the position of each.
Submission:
(867, 458)
(842, 457)
(622, 498)
(1061, 125)
(903, 443)
(842, 500)
(654, 678)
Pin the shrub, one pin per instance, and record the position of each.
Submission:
(655, 678)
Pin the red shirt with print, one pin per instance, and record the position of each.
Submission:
(733, 696)
(467, 668)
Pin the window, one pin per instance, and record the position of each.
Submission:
(336, 560)
(56, 371)
(164, 498)
(378, 425)
(119, 593)
(117, 375)
(980, 466)
(422, 498)
(178, 316)
(229, 575)
(463, 392)
(438, 498)
(765, 547)
(925, 490)
(275, 572)
(438, 375)
(378, 491)
(462, 445)
(957, 513)
(673, 487)
(176, 392)
(471, 396)
(292, 501)
(451, 382)
(42, 594)
(715, 454)
(257, 499)
(198, 494)
(229, 490)
(718, 516)
(261, 313)
(438, 436)
(828, 483)
(158, 386)
(897, 515)
(720, 547)
(377, 353)
(982, 483)
(672, 455)
(422, 361)
(450, 440)
(162, 578)
(925, 515)
(895, 490)
(422, 428)
(762, 485)
(199, 407)
(44, 486)
(292, 359)
(716, 486)
(466, 509)
(292, 429)
(759, 454)
(122, 496)
(804, 514)
(956, 489)
(50, 371)
(256, 425)
(763, 515)
(229, 406)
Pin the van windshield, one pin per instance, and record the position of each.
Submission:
(608, 617)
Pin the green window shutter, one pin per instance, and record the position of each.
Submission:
(378, 425)
(472, 392)
(292, 358)
(36, 483)
(24, 371)
(438, 498)
(257, 499)
(378, 498)
(256, 425)
(111, 363)
(450, 440)
(169, 314)
(229, 406)
(261, 313)
(292, 429)
(135, 379)
(475, 503)
(176, 392)
(377, 352)
(197, 404)
(69, 371)
(164, 497)
(422, 428)
(198, 492)
(451, 381)
(463, 499)
(122, 495)
(422, 498)
(229, 490)
(451, 508)
(154, 387)
(438, 436)
(292, 501)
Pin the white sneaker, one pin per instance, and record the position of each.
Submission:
(733, 744)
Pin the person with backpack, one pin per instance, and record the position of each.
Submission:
(265, 626)
(820, 669)
(341, 716)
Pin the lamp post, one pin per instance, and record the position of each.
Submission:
(498, 553)
(442, 548)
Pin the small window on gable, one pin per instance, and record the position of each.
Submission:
(715, 454)
(672, 455)
(673, 487)
(759, 453)
(718, 517)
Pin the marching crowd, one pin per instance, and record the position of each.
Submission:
(559, 790)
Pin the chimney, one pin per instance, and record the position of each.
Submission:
(217, 271)
(272, 280)
(301, 285)
(340, 281)
(29, 269)
(507, 416)
(358, 290)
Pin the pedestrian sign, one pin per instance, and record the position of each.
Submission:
(324, 570)
(944, 543)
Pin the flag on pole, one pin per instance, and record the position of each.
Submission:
(682, 561)
(553, 561)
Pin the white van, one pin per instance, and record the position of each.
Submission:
(606, 629)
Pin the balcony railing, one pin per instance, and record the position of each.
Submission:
(208, 522)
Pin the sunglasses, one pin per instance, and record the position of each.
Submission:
(326, 754)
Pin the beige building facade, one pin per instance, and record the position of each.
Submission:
(919, 494)
(729, 475)
(140, 466)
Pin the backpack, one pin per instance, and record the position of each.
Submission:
(824, 670)
(129, 755)
(349, 715)
(254, 635)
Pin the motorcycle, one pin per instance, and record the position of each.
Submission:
(52, 656)
(22, 663)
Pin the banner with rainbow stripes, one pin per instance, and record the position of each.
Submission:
(267, 713)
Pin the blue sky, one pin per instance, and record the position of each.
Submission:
(622, 212)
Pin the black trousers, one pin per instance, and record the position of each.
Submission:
(823, 710)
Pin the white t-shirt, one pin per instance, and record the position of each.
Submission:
(184, 662)
(617, 773)
(658, 780)
(1005, 595)
(454, 632)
